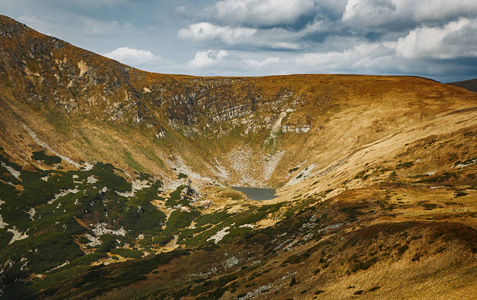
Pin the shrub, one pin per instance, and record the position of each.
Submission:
(107, 177)
(5, 237)
(182, 175)
(364, 265)
(47, 159)
(212, 218)
(405, 165)
(179, 219)
(147, 219)
(429, 206)
(175, 196)
(403, 249)
(318, 292)
(293, 281)
(108, 243)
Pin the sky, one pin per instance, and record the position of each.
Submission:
(429, 38)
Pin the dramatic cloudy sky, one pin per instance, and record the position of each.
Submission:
(431, 38)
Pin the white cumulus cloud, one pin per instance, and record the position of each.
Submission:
(263, 63)
(456, 39)
(274, 38)
(371, 12)
(392, 13)
(435, 9)
(361, 58)
(262, 12)
(205, 31)
(205, 59)
(132, 56)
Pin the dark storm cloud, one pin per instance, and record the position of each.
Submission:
(349, 36)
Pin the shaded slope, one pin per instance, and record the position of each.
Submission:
(471, 84)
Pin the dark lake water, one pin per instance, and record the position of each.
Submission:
(257, 193)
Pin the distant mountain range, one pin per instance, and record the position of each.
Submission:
(471, 84)
(115, 183)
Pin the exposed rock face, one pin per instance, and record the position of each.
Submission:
(46, 73)
(296, 128)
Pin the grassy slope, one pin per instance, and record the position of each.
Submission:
(87, 107)
(471, 84)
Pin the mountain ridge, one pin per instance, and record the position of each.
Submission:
(124, 97)
(470, 84)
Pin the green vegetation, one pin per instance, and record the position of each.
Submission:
(363, 265)
(319, 292)
(128, 158)
(108, 243)
(175, 197)
(5, 174)
(102, 278)
(297, 258)
(189, 233)
(213, 218)
(405, 165)
(47, 159)
(403, 249)
(460, 194)
(234, 222)
(293, 281)
(429, 206)
(142, 216)
(178, 220)
(446, 176)
(52, 206)
(5, 237)
(108, 178)
(362, 175)
(234, 195)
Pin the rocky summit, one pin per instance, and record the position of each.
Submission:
(116, 183)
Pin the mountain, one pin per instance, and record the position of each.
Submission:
(115, 183)
(471, 84)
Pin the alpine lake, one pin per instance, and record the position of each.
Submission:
(258, 194)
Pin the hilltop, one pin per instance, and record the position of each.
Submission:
(115, 182)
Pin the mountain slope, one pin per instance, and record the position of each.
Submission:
(250, 125)
(471, 84)
(103, 163)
